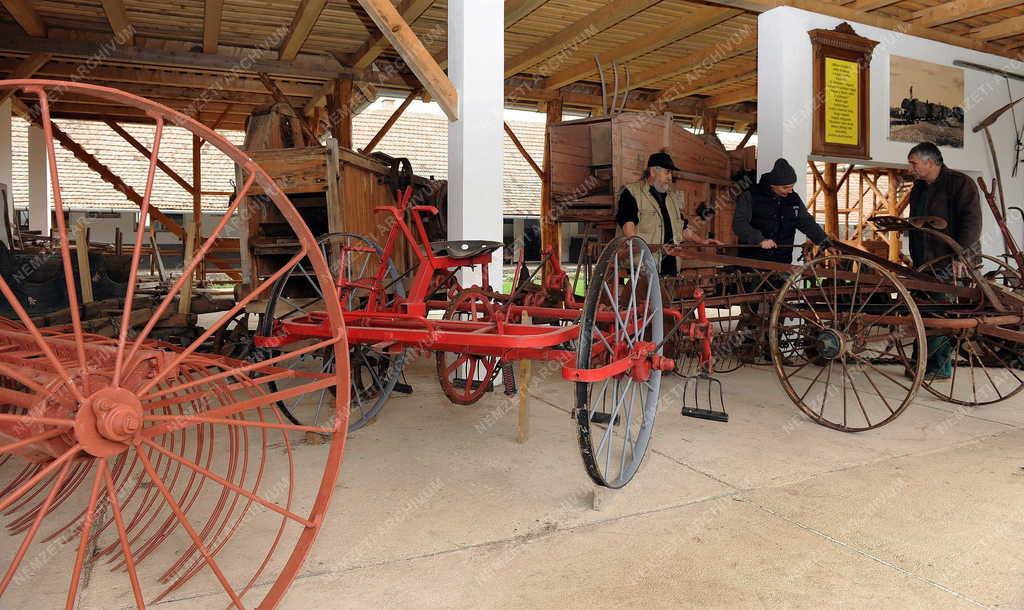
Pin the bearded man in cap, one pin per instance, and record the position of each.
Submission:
(769, 215)
(653, 210)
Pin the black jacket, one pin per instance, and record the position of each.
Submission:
(954, 197)
(761, 215)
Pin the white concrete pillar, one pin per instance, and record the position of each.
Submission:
(6, 154)
(476, 66)
(38, 182)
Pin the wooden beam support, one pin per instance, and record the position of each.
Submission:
(577, 33)
(139, 146)
(302, 24)
(339, 111)
(522, 150)
(549, 233)
(1000, 29)
(709, 121)
(678, 29)
(410, 10)
(81, 231)
(416, 56)
(708, 80)
(280, 97)
(949, 12)
(746, 137)
(517, 10)
(28, 67)
(117, 17)
(26, 16)
(383, 131)
(731, 97)
(700, 63)
(213, 11)
(831, 193)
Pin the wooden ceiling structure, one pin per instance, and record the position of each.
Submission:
(212, 58)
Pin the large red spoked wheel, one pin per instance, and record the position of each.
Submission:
(132, 471)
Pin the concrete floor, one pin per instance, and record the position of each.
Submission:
(438, 506)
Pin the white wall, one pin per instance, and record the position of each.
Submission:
(785, 103)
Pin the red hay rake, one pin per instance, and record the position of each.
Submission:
(153, 460)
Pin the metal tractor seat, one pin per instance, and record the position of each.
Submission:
(464, 249)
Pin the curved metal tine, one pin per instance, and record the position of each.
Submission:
(37, 336)
(133, 269)
(209, 332)
(65, 248)
(122, 536)
(183, 520)
(83, 543)
(190, 268)
(27, 541)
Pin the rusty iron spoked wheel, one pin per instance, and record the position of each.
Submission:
(465, 377)
(858, 328)
(982, 369)
(622, 309)
(169, 467)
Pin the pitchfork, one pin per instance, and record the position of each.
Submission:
(700, 389)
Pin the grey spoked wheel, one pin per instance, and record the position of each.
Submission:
(859, 330)
(615, 416)
(362, 277)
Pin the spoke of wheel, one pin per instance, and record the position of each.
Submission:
(90, 516)
(856, 394)
(183, 520)
(1006, 366)
(228, 484)
(615, 411)
(470, 374)
(880, 394)
(65, 246)
(133, 269)
(800, 368)
(821, 372)
(853, 299)
(821, 289)
(9, 448)
(817, 319)
(209, 332)
(626, 440)
(21, 378)
(460, 359)
(956, 365)
(263, 364)
(880, 371)
(197, 258)
(799, 314)
(122, 535)
(989, 377)
(37, 336)
(224, 421)
(33, 419)
(613, 302)
(12, 497)
(27, 542)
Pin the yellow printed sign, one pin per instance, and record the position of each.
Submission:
(841, 101)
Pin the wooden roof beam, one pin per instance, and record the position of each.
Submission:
(700, 20)
(416, 56)
(948, 12)
(1000, 29)
(708, 80)
(213, 11)
(117, 17)
(577, 33)
(26, 16)
(731, 97)
(28, 66)
(302, 24)
(517, 10)
(410, 10)
(701, 60)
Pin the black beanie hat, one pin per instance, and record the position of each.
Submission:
(782, 174)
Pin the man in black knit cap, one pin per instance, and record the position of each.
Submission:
(769, 215)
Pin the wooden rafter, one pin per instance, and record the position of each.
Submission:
(410, 10)
(145, 152)
(517, 10)
(117, 17)
(870, 5)
(302, 24)
(702, 19)
(416, 56)
(28, 66)
(948, 12)
(388, 124)
(577, 33)
(1000, 29)
(696, 60)
(26, 16)
(746, 137)
(708, 80)
(522, 150)
(282, 99)
(213, 12)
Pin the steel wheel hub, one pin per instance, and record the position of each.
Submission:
(108, 421)
(830, 344)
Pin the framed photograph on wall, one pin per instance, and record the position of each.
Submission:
(842, 61)
(926, 102)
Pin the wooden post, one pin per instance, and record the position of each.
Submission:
(831, 201)
(549, 233)
(397, 114)
(709, 120)
(118, 241)
(895, 245)
(185, 297)
(339, 112)
(84, 272)
(197, 196)
(525, 372)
